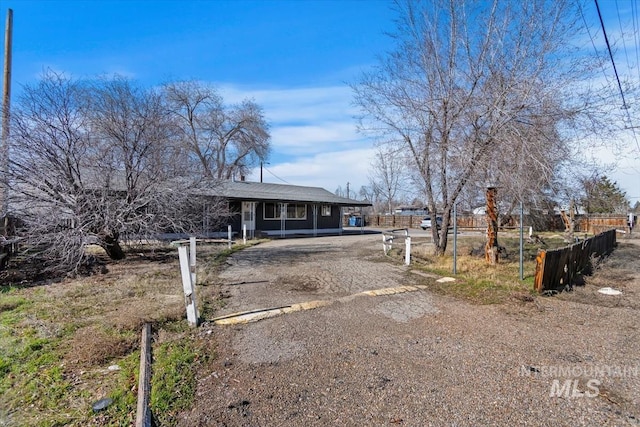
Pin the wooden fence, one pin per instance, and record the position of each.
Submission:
(556, 269)
(413, 221)
(597, 223)
(591, 224)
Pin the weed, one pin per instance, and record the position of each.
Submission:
(221, 256)
(57, 340)
(11, 302)
(124, 393)
(479, 282)
(173, 384)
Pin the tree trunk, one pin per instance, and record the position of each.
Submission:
(491, 251)
(441, 244)
(439, 234)
(111, 245)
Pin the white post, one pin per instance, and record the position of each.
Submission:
(407, 250)
(244, 234)
(229, 235)
(187, 286)
(192, 259)
(384, 243)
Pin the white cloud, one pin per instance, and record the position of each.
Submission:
(315, 141)
(328, 170)
(297, 105)
(316, 138)
(624, 160)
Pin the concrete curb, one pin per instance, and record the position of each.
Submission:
(266, 313)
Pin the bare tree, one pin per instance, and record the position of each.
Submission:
(47, 153)
(367, 193)
(387, 176)
(478, 88)
(91, 161)
(223, 140)
(132, 148)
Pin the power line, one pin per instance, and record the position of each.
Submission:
(615, 70)
(624, 44)
(593, 43)
(634, 21)
(276, 176)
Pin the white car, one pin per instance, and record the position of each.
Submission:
(426, 222)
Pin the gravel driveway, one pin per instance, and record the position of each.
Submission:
(408, 357)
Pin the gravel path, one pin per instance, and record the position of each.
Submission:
(411, 358)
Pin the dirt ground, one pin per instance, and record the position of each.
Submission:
(408, 357)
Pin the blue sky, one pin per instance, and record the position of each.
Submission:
(293, 57)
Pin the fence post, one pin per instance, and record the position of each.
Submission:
(407, 250)
(244, 234)
(455, 239)
(229, 235)
(187, 286)
(538, 279)
(143, 415)
(491, 250)
(521, 241)
(192, 259)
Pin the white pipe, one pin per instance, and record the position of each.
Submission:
(192, 259)
(244, 234)
(407, 250)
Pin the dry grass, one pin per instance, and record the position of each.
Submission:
(477, 281)
(615, 271)
(57, 339)
(95, 346)
(481, 283)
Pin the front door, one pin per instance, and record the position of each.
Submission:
(249, 218)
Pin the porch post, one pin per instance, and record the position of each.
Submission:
(283, 219)
(315, 219)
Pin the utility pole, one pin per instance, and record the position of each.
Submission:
(262, 163)
(348, 190)
(6, 97)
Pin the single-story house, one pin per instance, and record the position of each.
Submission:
(263, 209)
(281, 210)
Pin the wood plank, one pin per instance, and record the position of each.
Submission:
(143, 416)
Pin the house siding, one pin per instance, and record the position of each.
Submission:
(235, 207)
(333, 221)
(323, 222)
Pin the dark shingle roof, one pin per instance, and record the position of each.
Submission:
(245, 190)
(234, 190)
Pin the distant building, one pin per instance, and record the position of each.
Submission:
(410, 210)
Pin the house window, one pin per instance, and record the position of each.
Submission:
(326, 210)
(272, 210)
(294, 211)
